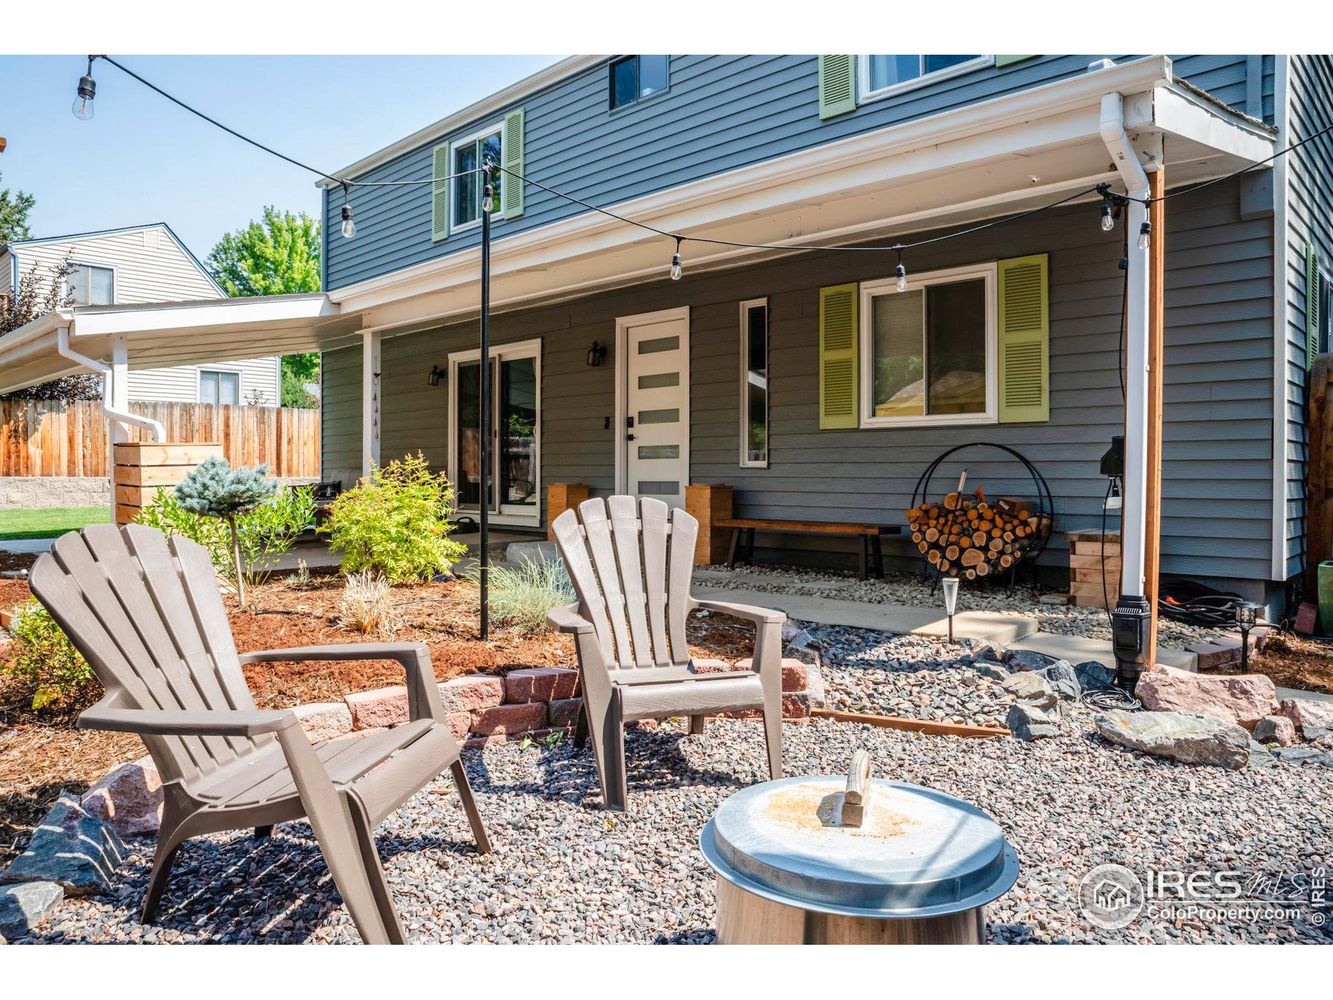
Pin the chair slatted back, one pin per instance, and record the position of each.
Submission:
(145, 612)
(630, 561)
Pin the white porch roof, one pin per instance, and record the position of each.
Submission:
(997, 157)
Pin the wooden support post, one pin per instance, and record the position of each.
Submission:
(370, 401)
(1152, 542)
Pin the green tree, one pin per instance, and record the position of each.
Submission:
(277, 255)
(14, 209)
(215, 489)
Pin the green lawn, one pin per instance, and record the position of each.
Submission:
(49, 522)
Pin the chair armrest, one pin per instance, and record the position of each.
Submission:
(748, 612)
(155, 722)
(423, 700)
(567, 619)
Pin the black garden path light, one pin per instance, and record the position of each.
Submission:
(1247, 616)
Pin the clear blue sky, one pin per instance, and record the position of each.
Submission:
(142, 159)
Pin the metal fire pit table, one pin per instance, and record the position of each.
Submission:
(919, 869)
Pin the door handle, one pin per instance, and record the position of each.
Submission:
(629, 437)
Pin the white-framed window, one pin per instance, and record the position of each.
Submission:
(928, 353)
(91, 285)
(636, 78)
(880, 76)
(219, 386)
(468, 154)
(754, 384)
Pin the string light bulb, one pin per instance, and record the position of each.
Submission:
(349, 227)
(676, 269)
(900, 280)
(83, 100)
(1108, 217)
(1145, 235)
(488, 191)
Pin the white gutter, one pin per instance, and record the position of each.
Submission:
(123, 416)
(1133, 526)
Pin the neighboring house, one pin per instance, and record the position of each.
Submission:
(802, 377)
(137, 265)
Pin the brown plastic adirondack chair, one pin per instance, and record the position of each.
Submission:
(630, 561)
(145, 611)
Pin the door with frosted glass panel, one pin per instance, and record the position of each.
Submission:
(657, 411)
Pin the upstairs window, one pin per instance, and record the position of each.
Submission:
(220, 387)
(466, 155)
(88, 285)
(884, 75)
(635, 78)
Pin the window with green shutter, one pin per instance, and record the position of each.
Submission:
(1024, 339)
(837, 85)
(511, 189)
(439, 192)
(1010, 60)
(837, 356)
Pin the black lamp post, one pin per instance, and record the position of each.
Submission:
(484, 401)
(1247, 616)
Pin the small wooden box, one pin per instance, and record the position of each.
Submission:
(1094, 568)
(559, 498)
(142, 468)
(709, 503)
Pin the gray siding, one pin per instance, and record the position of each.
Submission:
(1309, 218)
(1217, 451)
(719, 113)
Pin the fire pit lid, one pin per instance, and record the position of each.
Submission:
(919, 852)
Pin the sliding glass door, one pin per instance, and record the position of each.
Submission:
(515, 385)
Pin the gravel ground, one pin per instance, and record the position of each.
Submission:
(563, 871)
(909, 590)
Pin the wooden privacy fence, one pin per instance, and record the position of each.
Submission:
(54, 438)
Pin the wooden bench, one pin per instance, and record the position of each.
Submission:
(871, 552)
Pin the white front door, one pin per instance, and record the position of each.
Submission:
(653, 365)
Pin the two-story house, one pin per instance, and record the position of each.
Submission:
(815, 381)
(133, 266)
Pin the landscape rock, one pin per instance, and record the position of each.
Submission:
(802, 646)
(989, 668)
(1303, 755)
(70, 847)
(1063, 680)
(471, 692)
(814, 686)
(563, 713)
(378, 708)
(1027, 659)
(1028, 722)
(989, 649)
(1242, 698)
(1260, 756)
(1180, 736)
(1275, 729)
(1312, 719)
(325, 720)
(129, 798)
(1093, 675)
(1029, 687)
(25, 907)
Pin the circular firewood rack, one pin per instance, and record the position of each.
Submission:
(990, 563)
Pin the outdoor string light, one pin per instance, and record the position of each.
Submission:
(676, 269)
(1108, 217)
(83, 100)
(1145, 235)
(900, 279)
(349, 227)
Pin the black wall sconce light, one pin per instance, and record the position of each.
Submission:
(434, 377)
(595, 355)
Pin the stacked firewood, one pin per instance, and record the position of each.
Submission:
(969, 537)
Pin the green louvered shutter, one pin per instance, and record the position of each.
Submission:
(837, 356)
(1024, 340)
(837, 85)
(511, 188)
(1311, 305)
(439, 192)
(1009, 60)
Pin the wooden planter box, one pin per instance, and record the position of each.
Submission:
(142, 468)
(559, 498)
(1092, 579)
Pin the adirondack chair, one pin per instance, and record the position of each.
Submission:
(630, 561)
(145, 612)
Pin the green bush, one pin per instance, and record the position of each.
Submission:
(520, 597)
(264, 534)
(396, 522)
(43, 658)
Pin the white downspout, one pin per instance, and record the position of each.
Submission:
(123, 416)
(1133, 526)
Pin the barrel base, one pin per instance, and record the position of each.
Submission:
(744, 918)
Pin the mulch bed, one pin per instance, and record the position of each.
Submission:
(43, 754)
(1296, 661)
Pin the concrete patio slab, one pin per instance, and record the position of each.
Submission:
(1077, 648)
(897, 619)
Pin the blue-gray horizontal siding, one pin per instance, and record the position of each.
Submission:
(719, 113)
(1310, 218)
(1218, 401)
